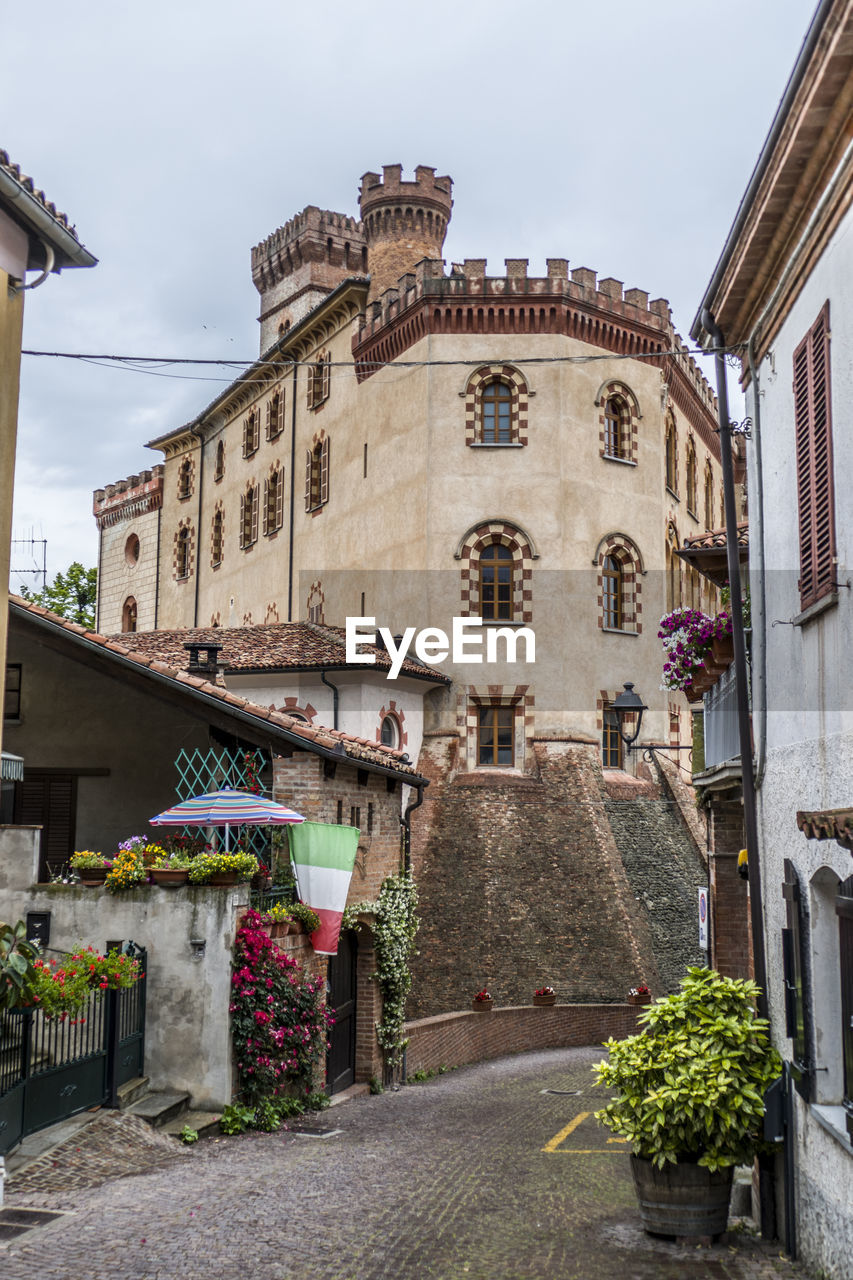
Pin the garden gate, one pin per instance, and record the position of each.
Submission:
(51, 1069)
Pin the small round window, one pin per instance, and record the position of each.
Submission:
(389, 733)
(131, 549)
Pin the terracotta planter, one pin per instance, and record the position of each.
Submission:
(482, 1006)
(723, 651)
(682, 1199)
(224, 879)
(279, 928)
(693, 694)
(169, 877)
(545, 1001)
(93, 877)
(646, 999)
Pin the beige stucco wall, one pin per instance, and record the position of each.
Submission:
(121, 577)
(11, 325)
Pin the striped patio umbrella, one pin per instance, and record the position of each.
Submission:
(227, 808)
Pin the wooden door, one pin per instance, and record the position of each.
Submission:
(340, 1061)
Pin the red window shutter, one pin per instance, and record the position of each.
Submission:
(324, 472)
(279, 499)
(308, 461)
(254, 500)
(815, 493)
(267, 506)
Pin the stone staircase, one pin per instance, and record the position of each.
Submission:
(166, 1111)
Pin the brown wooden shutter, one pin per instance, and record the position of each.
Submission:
(279, 499)
(279, 426)
(49, 801)
(269, 419)
(844, 910)
(813, 429)
(243, 519)
(327, 376)
(324, 472)
(254, 499)
(310, 388)
(245, 437)
(266, 506)
(308, 461)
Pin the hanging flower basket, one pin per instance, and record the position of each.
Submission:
(723, 650)
(544, 996)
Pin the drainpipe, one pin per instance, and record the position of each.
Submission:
(750, 823)
(335, 697)
(407, 827)
(292, 500)
(198, 436)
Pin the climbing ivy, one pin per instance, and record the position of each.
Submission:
(395, 925)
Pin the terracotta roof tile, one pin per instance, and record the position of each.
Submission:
(715, 539)
(14, 171)
(279, 646)
(355, 748)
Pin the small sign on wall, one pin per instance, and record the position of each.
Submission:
(704, 907)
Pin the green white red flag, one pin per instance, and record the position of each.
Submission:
(323, 856)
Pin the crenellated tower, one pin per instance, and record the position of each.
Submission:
(402, 222)
(302, 262)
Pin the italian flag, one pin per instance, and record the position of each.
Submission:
(323, 856)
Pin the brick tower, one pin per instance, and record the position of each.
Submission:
(402, 222)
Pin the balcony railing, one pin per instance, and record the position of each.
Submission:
(722, 741)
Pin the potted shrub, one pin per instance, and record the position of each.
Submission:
(690, 1099)
(223, 869)
(545, 996)
(482, 1002)
(127, 870)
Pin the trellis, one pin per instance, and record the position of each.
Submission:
(202, 771)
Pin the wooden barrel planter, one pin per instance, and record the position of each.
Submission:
(545, 1001)
(682, 1199)
(482, 1006)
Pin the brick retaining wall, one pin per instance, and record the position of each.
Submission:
(455, 1039)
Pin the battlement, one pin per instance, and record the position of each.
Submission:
(391, 189)
(525, 304)
(313, 236)
(135, 496)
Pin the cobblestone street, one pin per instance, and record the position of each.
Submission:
(480, 1174)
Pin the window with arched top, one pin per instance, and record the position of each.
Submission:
(217, 538)
(496, 403)
(496, 410)
(320, 380)
(219, 464)
(692, 485)
(128, 615)
(249, 517)
(496, 570)
(182, 552)
(273, 501)
(317, 473)
(275, 414)
(251, 433)
(618, 421)
(389, 732)
(671, 448)
(709, 497)
(131, 549)
(185, 479)
(673, 571)
(611, 591)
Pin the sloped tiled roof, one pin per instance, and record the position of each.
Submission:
(828, 824)
(715, 539)
(359, 751)
(14, 171)
(707, 552)
(30, 207)
(276, 646)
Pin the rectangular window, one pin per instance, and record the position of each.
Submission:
(813, 431)
(495, 736)
(12, 697)
(355, 816)
(611, 742)
(844, 909)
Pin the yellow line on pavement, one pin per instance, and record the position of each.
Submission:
(564, 1133)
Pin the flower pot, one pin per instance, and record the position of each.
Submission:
(169, 877)
(682, 1199)
(641, 999)
(93, 877)
(279, 928)
(544, 1001)
(224, 879)
(723, 651)
(693, 694)
(482, 1006)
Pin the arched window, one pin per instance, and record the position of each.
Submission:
(673, 571)
(275, 415)
(128, 615)
(692, 496)
(496, 571)
(617, 418)
(182, 553)
(131, 549)
(389, 733)
(611, 589)
(317, 473)
(219, 465)
(274, 501)
(709, 497)
(185, 479)
(251, 433)
(496, 410)
(320, 380)
(671, 456)
(249, 517)
(217, 538)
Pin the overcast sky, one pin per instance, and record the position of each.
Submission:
(618, 134)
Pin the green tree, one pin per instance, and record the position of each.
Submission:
(72, 595)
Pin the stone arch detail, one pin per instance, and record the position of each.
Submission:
(627, 554)
(520, 393)
(630, 426)
(398, 714)
(523, 555)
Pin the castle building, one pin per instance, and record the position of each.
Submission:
(417, 445)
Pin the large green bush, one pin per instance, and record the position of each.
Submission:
(691, 1085)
